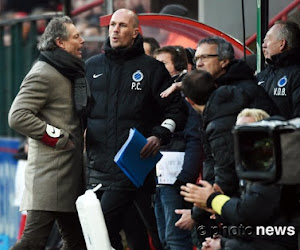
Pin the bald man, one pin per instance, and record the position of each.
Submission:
(126, 86)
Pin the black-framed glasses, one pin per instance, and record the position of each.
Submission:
(203, 57)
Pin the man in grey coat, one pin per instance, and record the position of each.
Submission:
(49, 109)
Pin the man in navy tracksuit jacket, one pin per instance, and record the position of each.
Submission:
(126, 86)
(281, 78)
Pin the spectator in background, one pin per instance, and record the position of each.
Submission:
(150, 45)
(168, 196)
(81, 25)
(92, 35)
(28, 5)
(119, 4)
(125, 84)
(175, 60)
(83, 15)
(95, 14)
(49, 109)
(281, 77)
(178, 85)
(136, 5)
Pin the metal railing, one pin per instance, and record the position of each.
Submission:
(282, 15)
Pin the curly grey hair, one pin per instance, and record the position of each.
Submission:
(56, 28)
(225, 49)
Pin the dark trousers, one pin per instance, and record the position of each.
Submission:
(143, 203)
(39, 225)
(120, 213)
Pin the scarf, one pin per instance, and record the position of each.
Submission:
(72, 68)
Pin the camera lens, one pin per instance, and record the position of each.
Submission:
(257, 151)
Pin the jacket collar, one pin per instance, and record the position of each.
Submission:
(126, 53)
(286, 58)
(237, 70)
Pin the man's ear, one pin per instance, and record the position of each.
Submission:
(60, 43)
(224, 63)
(282, 45)
(135, 32)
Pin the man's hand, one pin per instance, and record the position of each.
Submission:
(197, 195)
(217, 188)
(185, 222)
(151, 147)
(211, 244)
(175, 86)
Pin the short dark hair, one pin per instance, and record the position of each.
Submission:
(153, 44)
(290, 32)
(198, 85)
(225, 49)
(178, 56)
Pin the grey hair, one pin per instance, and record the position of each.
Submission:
(225, 49)
(290, 32)
(56, 28)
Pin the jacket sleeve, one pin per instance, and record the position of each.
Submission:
(193, 157)
(209, 161)
(173, 107)
(296, 95)
(24, 112)
(258, 206)
(221, 143)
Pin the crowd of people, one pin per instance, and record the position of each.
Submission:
(87, 21)
(183, 100)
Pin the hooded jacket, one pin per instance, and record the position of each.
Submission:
(126, 86)
(281, 80)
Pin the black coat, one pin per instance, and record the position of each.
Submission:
(281, 79)
(236, 90)
(126, 86)
(188, 141)
(264, 206)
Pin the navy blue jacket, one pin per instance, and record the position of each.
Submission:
(281, 79)
(126, 86)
